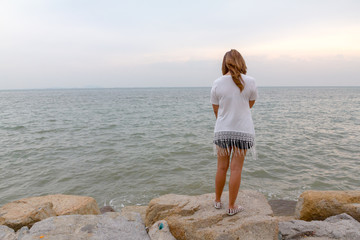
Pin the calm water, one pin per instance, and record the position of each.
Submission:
(127, 146)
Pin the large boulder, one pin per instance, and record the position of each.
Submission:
(319, 205)
(194, 217)
(108, 226)
(27, 211)
(341, 226)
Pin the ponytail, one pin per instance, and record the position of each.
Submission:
(234, 63)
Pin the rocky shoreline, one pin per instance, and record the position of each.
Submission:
(316, 215)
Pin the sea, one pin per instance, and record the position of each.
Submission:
(126, 146)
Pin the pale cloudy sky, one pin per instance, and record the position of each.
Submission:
(173, 43)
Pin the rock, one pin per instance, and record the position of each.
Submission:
(138, 209)
(27, 211)
(108, 226)
(7, 233)
(319, 205)
(282, 207)
(105, 209)
(23, 231)
(342, 226)
(71, 204)
(316, 238)
(160, 231)
(194, 217)
(284, 218)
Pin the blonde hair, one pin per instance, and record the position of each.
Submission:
(234, 63)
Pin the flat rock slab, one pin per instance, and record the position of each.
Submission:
(194, 217)
(341, 226)
(319, 205)
(27, 211)
(108, 226)
(282, 207)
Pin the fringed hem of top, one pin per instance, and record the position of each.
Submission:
(227, 142)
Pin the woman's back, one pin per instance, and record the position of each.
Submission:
(234, 111)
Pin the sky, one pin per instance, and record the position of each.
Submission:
(173, 43)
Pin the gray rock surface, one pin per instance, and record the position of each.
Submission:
(341, 226)
(7, 233)
(160, 233)
(194, 217)
(22, 232)
(108, 226)
(283, 207)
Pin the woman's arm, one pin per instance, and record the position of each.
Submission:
(216, 108)
(251, 103)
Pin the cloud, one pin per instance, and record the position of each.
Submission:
(122, 43)
(334, 70)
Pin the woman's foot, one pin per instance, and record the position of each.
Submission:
(233, 211)
(217, 205)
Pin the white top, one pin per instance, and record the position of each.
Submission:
(234, 113)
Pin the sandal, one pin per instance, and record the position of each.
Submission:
(233, 211)
(218, 205)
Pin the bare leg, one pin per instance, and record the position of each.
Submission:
(237, 162)
(220, 179)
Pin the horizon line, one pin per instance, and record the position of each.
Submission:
(84, 88)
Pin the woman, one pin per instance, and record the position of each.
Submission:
(232, 96)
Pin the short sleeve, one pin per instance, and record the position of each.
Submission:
(253, 93)
(213, 98)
